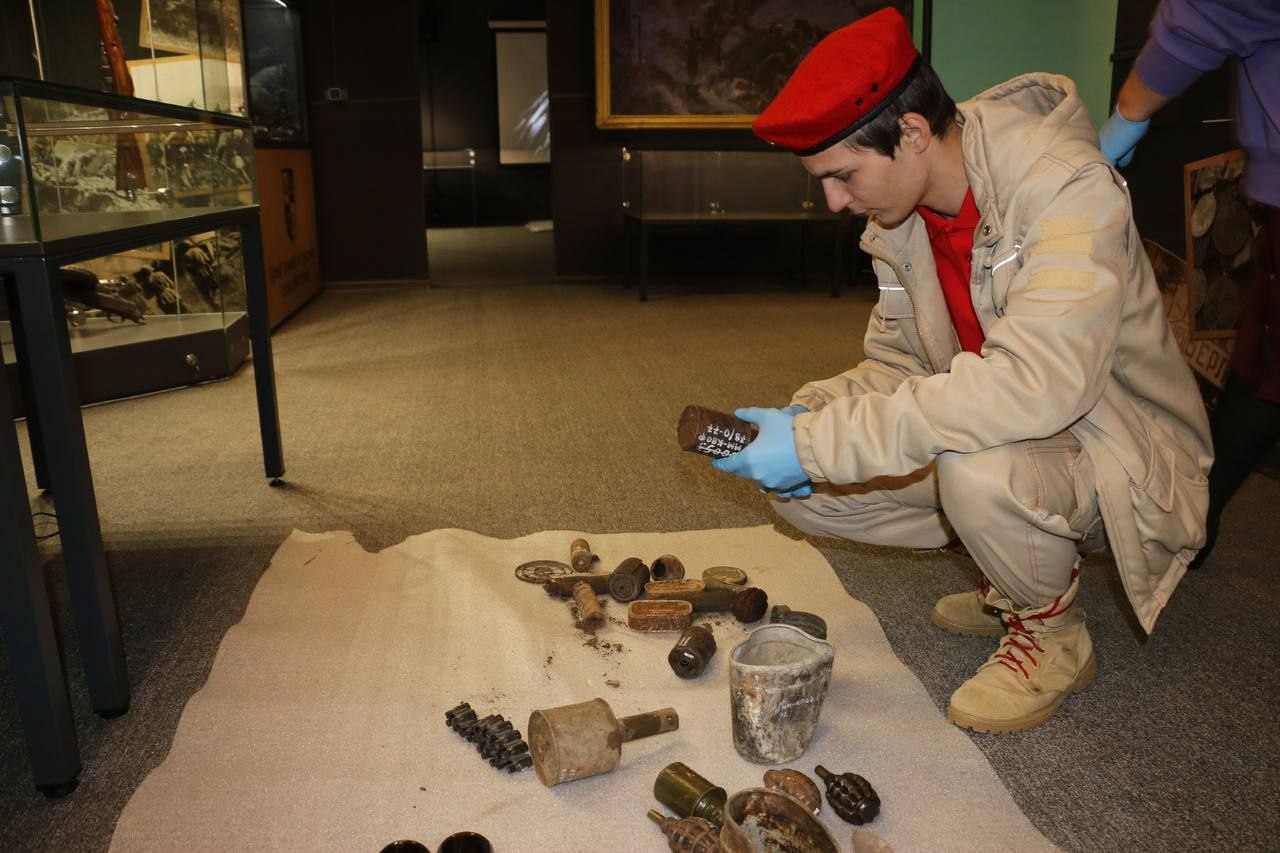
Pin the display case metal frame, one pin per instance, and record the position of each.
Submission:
(47, 376)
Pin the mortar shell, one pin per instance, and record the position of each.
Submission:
(692, 652)
(689, 794)
(713, 433)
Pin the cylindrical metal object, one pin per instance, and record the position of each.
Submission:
(713, 433)
(747, 605)
(465, 842)
(580, 556)
(667, 568)
(406, 846)
(809, 623)
(759, 820)
(688, 834)
(659, 615)
(562, 587)
(724, 575)
(796, 784)
(688, 794)
(577, 741)
(692, 652)
(778, 680)
(626, 582)
(672, 589)
(590, 613)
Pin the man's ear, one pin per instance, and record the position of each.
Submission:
(916, 134)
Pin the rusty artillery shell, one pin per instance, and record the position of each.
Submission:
(717, 575)
(814, 626)
(712, 433)
(562, 587)
(626, 583)
(796, 784)
(672, 589)
(580, 556)
(692, 652)
(688, 794)
(688, 834)
(667, 568)
(590, 613)
(659, 615)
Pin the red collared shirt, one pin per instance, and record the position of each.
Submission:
(952, 243)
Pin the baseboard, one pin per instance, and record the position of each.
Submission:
(377, 282)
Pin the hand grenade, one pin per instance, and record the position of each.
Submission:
(850, 795)
(688, 834)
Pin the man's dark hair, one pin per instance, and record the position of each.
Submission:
(925, 95)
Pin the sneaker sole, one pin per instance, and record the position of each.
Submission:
(936, 617)
(1022, 724)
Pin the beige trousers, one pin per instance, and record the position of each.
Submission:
(1025, 511)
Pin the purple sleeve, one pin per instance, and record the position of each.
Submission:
(1190, 37)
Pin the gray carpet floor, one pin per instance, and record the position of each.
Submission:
(514, 408)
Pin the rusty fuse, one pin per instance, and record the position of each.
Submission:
(580, 556)
(590, 613)
(692, 652)
(626, 582)
(747, 605)
(562, 587)
(712, 433)
(667, 568)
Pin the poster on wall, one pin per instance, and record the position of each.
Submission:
(1209, 358)
(286, 198)
(671, 63)
(524, 125)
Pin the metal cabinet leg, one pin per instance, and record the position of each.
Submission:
(28, 395)
(41, 686)
(264, 372)
(54, 395)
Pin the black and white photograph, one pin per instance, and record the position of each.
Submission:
(208, 28)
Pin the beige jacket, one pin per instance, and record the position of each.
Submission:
(1076, 338)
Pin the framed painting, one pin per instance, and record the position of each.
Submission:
(676, 64)
(1222, 224)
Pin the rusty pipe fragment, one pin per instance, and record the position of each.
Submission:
(747, 605)
(576, 741)
(562, 587)
(627, 581)
(713, 433)
(580, 556)
(590, 614)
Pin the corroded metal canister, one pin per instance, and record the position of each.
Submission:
(692, 652)
(688, 794)
(562, 587)
(724, 575)
(577, 741)
(667, 568)
(759, 820)
(590, 613)
(778, 680)
(713, 433)
(626, 582)
(747, 605)
(807, 622)
(659, 615)
(580, 556)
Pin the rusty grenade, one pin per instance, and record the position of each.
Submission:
(850, 795)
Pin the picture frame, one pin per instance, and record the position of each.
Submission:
(1221, 227)
(674, 64)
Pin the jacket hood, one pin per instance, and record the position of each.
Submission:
(1009, 127)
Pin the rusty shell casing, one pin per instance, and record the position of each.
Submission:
(668, 567)
(713, 433)
(672, 589)
(590, 613)
(562, 587)
(580, 556)
(659, 615)
(582, 740)
(627, 581)
(689, 794)
(796, 784)
(724, 575)
(692, 652)
(814, 626)
(688, 834)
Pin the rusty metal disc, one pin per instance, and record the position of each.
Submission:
(541, 571)
(1202, 214)
(1231, 226)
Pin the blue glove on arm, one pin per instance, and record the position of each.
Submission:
(1119, 137)
(771, 459)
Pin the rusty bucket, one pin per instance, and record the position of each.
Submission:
(778, 680)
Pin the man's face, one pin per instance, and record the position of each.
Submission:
(868, 183)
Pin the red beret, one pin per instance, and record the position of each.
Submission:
(844, 82)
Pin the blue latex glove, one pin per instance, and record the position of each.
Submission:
(771, 459)
(1119, 137)
(802, 491)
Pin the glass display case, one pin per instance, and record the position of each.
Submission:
(273, 65)
(718, 183)
(77, 164)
